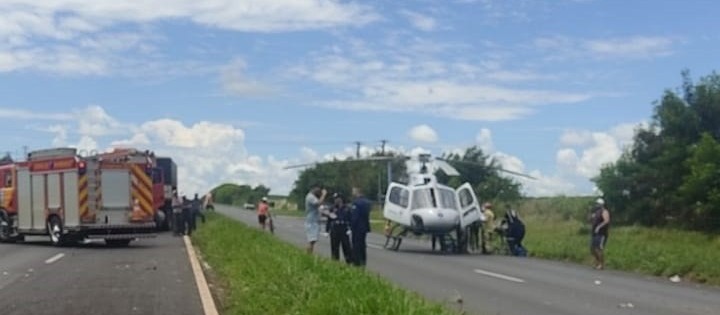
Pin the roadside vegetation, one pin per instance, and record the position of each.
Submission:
(259, 274)
(556, 229)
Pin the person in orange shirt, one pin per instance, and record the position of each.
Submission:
(262, 212)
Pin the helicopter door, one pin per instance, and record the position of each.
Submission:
(469, 207)
(396, 204)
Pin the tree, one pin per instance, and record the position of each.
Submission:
(663, 177)
(239, 195)
(481, 172)
(701, 187)
(340, 176)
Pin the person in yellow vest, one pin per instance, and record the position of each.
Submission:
(488, 228)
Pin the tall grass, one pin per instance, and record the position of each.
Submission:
(263, 275)
(557, 229)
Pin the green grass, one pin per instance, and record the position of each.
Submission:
(260, 274)
(555, 232)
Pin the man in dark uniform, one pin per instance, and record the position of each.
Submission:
(600, 219)
(188, 217)
(360, 226)
(339, 226)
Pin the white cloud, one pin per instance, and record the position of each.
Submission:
(423, 133)
(65, 18)
(635, 47)
(403, 82)
(94, 121)
(234, 81)
(420, 21)
(585, 152)
(70, 37)
(484, 139)
(632, 47)
(16, 114)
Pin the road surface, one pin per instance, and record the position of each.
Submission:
(151, 276)
(512, 285)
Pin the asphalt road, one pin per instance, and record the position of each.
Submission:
(151, 276)
(512, 285)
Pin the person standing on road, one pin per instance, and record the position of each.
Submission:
(188, 217)
(262, 212)
(339, 222)
(178, 222)
(313, 200)
(360, 226)
(197, 211)
(600, 219)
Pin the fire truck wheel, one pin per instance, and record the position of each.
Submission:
(55, 229)
(5, 227)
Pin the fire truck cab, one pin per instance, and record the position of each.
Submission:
(71, 198)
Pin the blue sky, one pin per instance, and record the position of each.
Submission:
(235, 90)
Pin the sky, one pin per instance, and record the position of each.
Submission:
(235, 90)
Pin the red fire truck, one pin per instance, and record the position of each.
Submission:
(57, 193)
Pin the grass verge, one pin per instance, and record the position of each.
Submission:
(263, 275)
(659, 252)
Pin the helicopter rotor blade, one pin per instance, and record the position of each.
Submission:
(364, 159)
(493, 165)
(515, 173)
(446, 168)
(299, 166)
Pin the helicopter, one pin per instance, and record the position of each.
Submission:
(420, 205)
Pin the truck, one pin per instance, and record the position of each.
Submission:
(69, 198)
(165, 173)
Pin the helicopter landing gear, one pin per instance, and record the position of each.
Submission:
(393, 238)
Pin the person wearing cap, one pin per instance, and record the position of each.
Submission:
(600, 220)
(339, 222)
(262, 212)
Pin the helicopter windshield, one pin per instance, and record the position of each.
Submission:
(447, 199)
(423, 198)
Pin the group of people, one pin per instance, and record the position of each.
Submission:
(511, 232)
(348, 223)
(185, 213)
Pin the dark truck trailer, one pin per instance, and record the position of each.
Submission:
(168, 169)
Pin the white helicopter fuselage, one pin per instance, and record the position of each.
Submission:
(427, 207)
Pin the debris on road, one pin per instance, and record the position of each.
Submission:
(675, 279)
(626, 305)
(598, 282)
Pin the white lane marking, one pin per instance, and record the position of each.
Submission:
(55, 258)
(499, 276)
(203, 289)
(375, 246)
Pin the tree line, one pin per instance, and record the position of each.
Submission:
(670, 174)
(371, 176)
(238, 195)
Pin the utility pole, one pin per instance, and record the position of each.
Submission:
(383, 146)
(357, 151)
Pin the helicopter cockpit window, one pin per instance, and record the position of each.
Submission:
(447, 199)
(423, 198)
(466, 198)
(399, 196)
